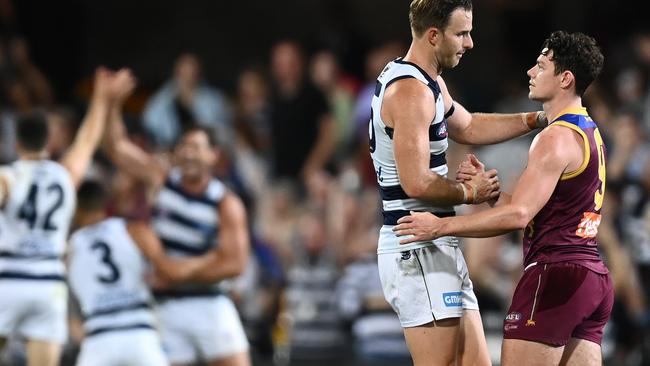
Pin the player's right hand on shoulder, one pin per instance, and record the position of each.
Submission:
(485, 185)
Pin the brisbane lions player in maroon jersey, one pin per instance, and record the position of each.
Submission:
(565, 295)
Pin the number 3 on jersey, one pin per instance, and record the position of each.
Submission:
(600, 194)
(107, 258)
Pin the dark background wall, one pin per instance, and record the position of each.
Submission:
(69, 38)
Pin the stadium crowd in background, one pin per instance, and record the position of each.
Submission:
(293, 144)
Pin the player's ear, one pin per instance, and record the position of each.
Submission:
(567, 79)
(433, 35)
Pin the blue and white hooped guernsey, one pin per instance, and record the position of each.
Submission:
(396, 203)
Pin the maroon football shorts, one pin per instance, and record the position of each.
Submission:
(554, 302)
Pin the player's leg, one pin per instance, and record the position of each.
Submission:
(46, 326)
(517, 352)
(472, 347)
(43, 353)
(581, 352)
(584, 346)
(434, 343)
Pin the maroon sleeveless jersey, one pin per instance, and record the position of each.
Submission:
(565, 228)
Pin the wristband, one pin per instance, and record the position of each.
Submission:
(469, 193)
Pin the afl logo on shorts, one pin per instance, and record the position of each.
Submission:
(513, 317)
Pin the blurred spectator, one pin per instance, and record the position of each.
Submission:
(37, 85)
(184, 100)
(302, 129)
(340, 92)
(252, 133)
(377, 333)
(317, 333)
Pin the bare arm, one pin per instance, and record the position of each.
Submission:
(174, 270)
(487, 128)
(77, 159)
(554, 151)
(410, 107)
(125, 154)
(4, 189)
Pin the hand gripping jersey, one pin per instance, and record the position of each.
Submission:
(565, 228)
(107, 276)
(36, 220)
(396, 203)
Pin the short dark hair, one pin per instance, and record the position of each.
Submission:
(194, 127)
(578, 53)
(424, 14)
(32, 132)
(91, 196)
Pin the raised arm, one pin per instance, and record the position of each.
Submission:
(409, 106)
(78, 157)
(125, 154)
(5, 183)
(554, 151)
(487, 128)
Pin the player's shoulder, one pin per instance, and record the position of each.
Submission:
(553, 141)
(407, 89)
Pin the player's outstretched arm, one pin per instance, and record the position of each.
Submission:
(550, 155)
(77, 159)
(410, 106)
(488, 128)
(125, 154)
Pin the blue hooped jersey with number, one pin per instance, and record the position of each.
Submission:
(106, 274)
(396, 203)
(36, 219)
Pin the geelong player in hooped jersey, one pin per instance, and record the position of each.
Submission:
(107, 276)
(195, 216)
(37, 201)
(565, 296)
(413, 115)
